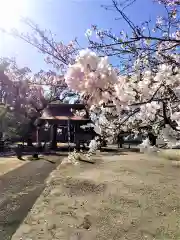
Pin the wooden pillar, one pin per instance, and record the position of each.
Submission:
(38, 140)
(74, 133)
(53, 136)
(64, 134)
(29, 141)
(77, 133)
(69, 133)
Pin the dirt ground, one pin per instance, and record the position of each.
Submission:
(8, 164)
(121, 197)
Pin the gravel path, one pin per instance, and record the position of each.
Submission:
(19, 190)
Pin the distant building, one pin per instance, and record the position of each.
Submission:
(64, 125)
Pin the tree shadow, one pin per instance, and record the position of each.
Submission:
(120, 151)
(137, 150)
(21, 158)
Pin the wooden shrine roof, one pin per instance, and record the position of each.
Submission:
(62, 111)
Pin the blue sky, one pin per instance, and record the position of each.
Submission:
(69, 19)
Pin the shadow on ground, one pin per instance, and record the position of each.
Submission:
(19, 190)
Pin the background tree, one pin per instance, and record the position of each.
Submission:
(56, 53)
(27, 94)
(153, 44)
(147, 91)
(144, 49)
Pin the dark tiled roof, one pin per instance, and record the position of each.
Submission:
(62, 112)
(75, 118)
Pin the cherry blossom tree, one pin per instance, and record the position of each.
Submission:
(26, 94)
(57, 54)
(152, 44)
(138, 101)
(30, 92)
(147, 89)
(142, 88)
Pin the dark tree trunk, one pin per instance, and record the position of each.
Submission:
(29, 142)
(152, 138)
(35, 156)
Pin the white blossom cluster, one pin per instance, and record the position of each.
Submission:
(91, 75)
(94, 78)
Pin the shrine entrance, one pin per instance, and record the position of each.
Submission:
(62, 133)
(64, 126)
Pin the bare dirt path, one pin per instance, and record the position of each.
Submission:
(121, 197)
(19, 190)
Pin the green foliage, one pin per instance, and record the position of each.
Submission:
(12, 124)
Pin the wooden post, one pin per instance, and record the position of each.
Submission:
(74, 140)
(38, 137)
(53, 136)
(69, 134)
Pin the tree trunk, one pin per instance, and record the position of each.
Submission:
(152, 139)
(29, 142)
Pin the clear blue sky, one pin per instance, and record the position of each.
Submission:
(69, 19)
